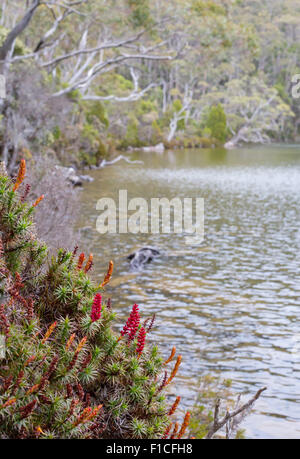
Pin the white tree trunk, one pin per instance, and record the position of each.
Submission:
(173, 128)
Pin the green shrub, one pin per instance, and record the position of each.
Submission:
(206, 8)
(95, 109)
(66, 373)
(131, 138)
(217, 123)
(140, 13)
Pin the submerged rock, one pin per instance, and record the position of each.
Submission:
(142, 256)
(159, 148)
(86, 178)
(70, 174)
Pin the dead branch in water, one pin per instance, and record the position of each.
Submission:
(229, 416)
(119, 158)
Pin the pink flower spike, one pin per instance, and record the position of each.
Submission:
(134, 327)
(96, 308)
(132, 324)
(141, 341)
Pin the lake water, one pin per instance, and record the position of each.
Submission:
(231, 305)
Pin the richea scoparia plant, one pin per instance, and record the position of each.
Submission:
(65, 372)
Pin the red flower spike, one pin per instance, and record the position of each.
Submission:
(96, 308)
(132, 324)
(69, 391)
(26, 410)
(141, 341)
(151, 323)
(26, 192)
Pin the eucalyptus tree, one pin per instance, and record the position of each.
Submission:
(83, 39)
(73, 44)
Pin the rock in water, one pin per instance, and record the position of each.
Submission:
(142, 256)
(86, 178)
(70, 174)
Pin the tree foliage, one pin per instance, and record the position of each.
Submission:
(101, 59)
(217, 123)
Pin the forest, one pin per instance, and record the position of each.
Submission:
(83, 82)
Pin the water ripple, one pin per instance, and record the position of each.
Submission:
(231, 307)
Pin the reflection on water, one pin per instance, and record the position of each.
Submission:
(231, 306)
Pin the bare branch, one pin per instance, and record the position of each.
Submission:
(119, 158)
(68, 6)
(51, 31)
(15, 32)
(3, 9)
(135, 95)
(180, 115)
(103, 67)
(93, 50)
(218, 424)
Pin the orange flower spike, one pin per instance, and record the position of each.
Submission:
(108, 274)
(81, 259)
(80, 345)
(175, 369)
(185, 424)
(94, 413)
(39, 431)
(21, 175)
(32, 389)
(174, 406)
(175, 430)
(167, 431)
(29, 360)
(9, 402)
(38, 200)
(70, 341)
(88, 263)
(83, 417)
(173, 352)
(49, 332)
